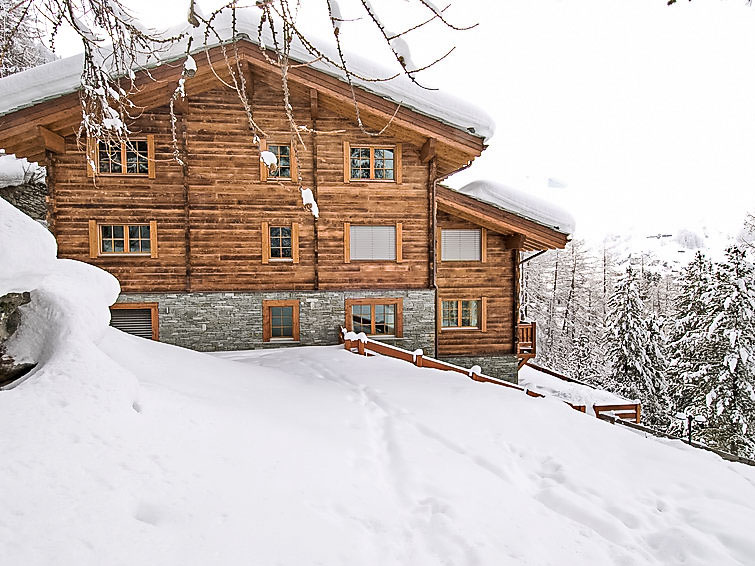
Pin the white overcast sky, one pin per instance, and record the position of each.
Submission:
(643, 115)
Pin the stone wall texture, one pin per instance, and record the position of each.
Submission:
(233, 321)
(501, 366)
(28, 198)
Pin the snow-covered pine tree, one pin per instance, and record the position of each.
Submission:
(730, 390)
(635, 350)
(20, 45)
(691, 363)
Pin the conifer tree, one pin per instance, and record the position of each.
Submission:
(20, 46)
(691, 365)
(635, 350)
(730, 390)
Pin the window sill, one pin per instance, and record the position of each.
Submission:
(373, 181)
(281, 341)
(475, 261)
(461, 328)
(275, 179)
(281, 260)
(374, 261)
(124, 254)
(143, 175)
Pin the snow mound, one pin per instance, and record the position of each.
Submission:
(521, 204)
(63, 76)
(13, 171)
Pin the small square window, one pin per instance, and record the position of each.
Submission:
(124, 238)
(130, 157)
(280, 320)
(281, 246)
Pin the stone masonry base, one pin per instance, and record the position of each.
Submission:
(503, 366)
(233, 321)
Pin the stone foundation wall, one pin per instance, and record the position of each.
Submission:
(28, 198)
(503, 366)
(233, 321)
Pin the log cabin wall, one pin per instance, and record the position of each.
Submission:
(228, 201)
(494, 280)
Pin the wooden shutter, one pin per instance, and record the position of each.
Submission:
(399, 242)
(438, 244)
(484, 314)
(397, 164)
(483, 244)
(461, 245)
(263, 167)
(373, 242)
(265, 242)
(94, 240)
(91, 156)
(295, 242)
(151, 157)
(153, 238)
(139, 319)
(399, 322)
(294, 164)
(346, 242)
(346, 162)
(295, 318)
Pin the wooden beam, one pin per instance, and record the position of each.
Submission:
(428, 151)
(514, 242)
(313, 104)
(52, 141)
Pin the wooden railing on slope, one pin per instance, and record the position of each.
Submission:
(626, 411)
(364, 345)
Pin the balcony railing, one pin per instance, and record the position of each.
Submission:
(526, 347)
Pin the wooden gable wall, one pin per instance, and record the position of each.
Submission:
(210, 212)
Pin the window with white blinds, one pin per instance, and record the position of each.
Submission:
(372, 242)
(461, 245)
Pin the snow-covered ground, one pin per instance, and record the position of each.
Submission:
(119, 450)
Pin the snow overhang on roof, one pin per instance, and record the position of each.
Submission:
(520, 203)
(539, 224)
(63, 76)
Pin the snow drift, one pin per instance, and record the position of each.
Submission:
(119, 450)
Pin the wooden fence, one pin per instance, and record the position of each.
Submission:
(364, 346)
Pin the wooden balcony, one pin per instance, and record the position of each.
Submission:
(526, 346)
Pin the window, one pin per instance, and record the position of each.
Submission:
(132, 157)
(462, 245)
(371, 163)
(139, 319)
(463, 313)
(280, 321)
(283, 155)
(280, 243)
(375, 317)
(285, 169)
(122, 239)
(372, 242)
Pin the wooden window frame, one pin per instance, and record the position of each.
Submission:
(265, 175)
(153, 307)
(399, 243)
(265, 232)
(482, 314)
(397, 163)
(483, 246)
(95, 239)
(93, 159)
(399, 321)
(267, 320)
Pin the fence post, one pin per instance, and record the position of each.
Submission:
(418, 360)
(637, 413)
(360, 348)
(347, 344)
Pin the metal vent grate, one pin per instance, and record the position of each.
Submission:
(134, 321)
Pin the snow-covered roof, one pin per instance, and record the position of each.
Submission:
(520, 203)
(64, 75)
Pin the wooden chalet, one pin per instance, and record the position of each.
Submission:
(219, 252)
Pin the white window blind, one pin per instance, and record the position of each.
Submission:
(460, 245)
(372, 242)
